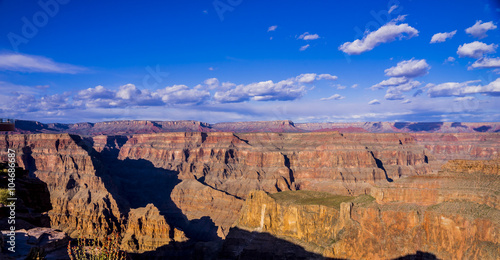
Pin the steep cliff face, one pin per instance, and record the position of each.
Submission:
(239, 163)
(79, 198)
(363, 229)
(80, 194)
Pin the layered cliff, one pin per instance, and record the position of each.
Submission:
(156, 189)
(80, 191)
(360, 228)
(239, 163)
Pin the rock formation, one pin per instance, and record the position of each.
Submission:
(168, 189)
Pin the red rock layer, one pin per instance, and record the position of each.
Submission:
(450, 230)
(82, 206)
(238, 163)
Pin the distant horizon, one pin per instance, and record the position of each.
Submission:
(277, 120)
(321, 61)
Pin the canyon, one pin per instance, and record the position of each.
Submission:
(172, 189)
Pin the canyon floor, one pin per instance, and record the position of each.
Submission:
(189, 190)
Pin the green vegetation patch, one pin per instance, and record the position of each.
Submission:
(304, 197)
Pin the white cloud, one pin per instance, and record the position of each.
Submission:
(307, 36)
(441, 37)
(394, 81)
(211, 83)
(450, 59)
(479, 29)
(396, 92)
(354, 86)
(374, 102)
(289, 89)
(303, 48)
(333, 97)
(272, 28)
(485, 63)
(129, 95)
(406, 101)
(392, 8)
(31, 63)
(475, 49)
(408, 68)
(326, 77)
(465, 88)
(182, 94)
(211, 68)
(128, 91)
(95, 93)
(387, 33)
(306, 78)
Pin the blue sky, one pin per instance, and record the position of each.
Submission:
(240, 60)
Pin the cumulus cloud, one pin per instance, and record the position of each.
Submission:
(396, 92)
(450, 59)
(479, 29)
(374, 102)
(182, 94)
(326, 77)
(387, 33)
(464, 88)
(333, 97)
(306, 78)
(475, 49)
(95, 93)
(128, 91)
(394, 81)
(129, 95)
(272, 28)
(441, 37)
(354, 86)
(31, 63)
(307, 36)
(408, 68)
(485, 63)
(211, 83)
(303, 48)
(284, 90)
(401, 80)
(289, 89)
(406, 101)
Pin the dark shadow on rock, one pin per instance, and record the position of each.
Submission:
(241, 244)
(33, 200)
(380, 165)
(137, 183)
(418, 256)
(28, 160)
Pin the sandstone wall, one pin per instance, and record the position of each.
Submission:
(450, 230)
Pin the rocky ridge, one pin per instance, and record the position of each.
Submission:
(127, 127)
